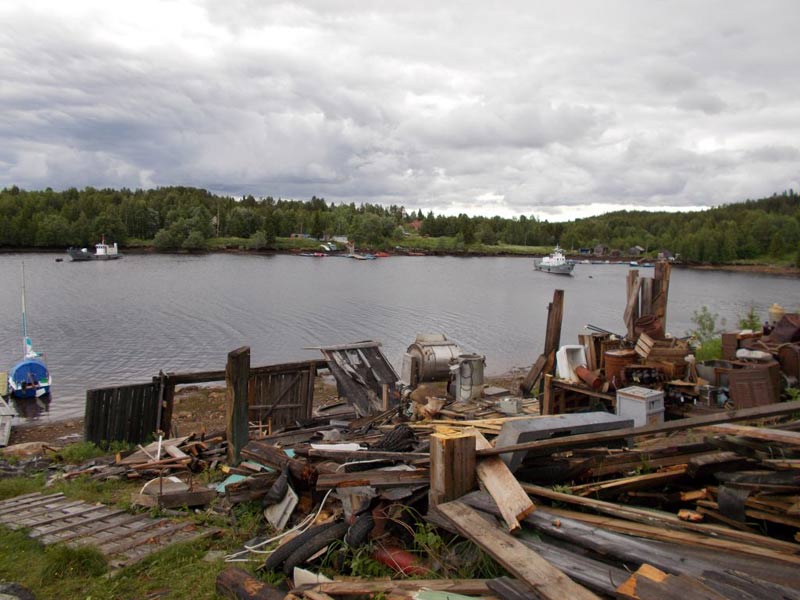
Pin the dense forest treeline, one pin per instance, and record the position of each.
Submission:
(183, 217)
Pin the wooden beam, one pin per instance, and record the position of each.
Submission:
(791, 438)
(544, 364)
(374, 478)
(631, 313)
(661, 520)
(546, 581)
(452, 466)
(513, 502)
(601, 438)
(473, 587)
(681, 537)
(237, 376)
(661, 275)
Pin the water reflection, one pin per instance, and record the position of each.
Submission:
(31, 409)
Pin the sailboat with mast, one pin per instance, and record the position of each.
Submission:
(29, 378)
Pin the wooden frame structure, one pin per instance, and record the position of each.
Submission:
(276, 395)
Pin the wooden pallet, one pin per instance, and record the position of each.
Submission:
(123, 538)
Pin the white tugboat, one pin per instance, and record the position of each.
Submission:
(102, 251)
(554, 263)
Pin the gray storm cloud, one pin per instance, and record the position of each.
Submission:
(552, 109)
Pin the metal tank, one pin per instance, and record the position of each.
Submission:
(468, 383)
(432, 354)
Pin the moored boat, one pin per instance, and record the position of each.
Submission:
(102, 251)
(555, 263)
(29, 378)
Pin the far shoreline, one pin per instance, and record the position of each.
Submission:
(761, 268)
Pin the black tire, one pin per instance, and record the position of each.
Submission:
(358, 532)
(276, 559)
(314, 544)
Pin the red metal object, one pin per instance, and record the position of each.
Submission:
(400, 560)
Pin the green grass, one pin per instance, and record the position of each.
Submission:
(17, 486)
(177, 572)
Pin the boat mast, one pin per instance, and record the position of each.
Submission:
(25, 343)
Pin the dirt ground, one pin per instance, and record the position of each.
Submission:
(197, 409)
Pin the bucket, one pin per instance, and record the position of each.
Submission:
(469, 377)
(776, 313)
(615, 363)
(649, 324)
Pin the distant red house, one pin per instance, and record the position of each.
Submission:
(416, 224)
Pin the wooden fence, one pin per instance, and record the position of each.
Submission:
(277, 396)
(127, 413)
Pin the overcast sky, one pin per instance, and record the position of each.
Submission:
(554, 109)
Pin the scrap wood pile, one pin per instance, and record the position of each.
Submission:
(706, 507)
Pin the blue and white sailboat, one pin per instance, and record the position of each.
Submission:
(29, 378)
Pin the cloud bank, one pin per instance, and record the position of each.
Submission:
(552, 109)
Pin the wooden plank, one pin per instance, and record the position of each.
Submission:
(791, 438)
(525, 564)
(632, 551)
(27, 500)
(663, 521)
(661, 275)
(472, 587)
(631, 483)
(73, 509)
(374, 478)
(544, 364)
(342, 457)
(681, 537)
(493, 473)
(73, 526)
(649, 582)
(35, 506)
(646, 301)
(111, 535)
(452, 466)
(236, 379)
(600, 438)
(133, 555)
(631, 312)
(148, 535)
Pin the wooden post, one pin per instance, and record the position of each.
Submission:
(237, 375)
(546, 406)
(661, 291)
(385, 396)
(545, 363)
(632, 287)
(452, 466)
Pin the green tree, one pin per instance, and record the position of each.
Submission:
(195, 241)
(55, 231)
(705, 325)
(750, 320)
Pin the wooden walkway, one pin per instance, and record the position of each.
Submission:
(123, 538)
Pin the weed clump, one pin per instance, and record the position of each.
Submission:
(63, 562)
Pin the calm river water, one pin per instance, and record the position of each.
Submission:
(109, 323)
